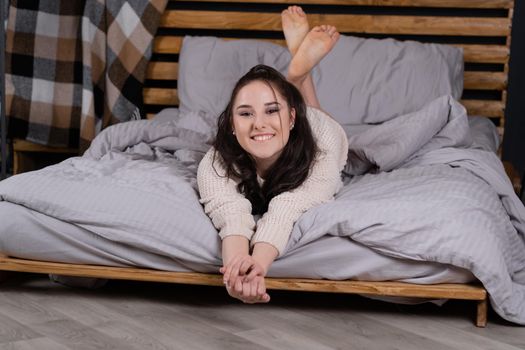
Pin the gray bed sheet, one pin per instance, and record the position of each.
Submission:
(28, 234)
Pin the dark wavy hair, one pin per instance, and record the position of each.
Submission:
(293, 165)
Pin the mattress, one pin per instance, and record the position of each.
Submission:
(27, 234)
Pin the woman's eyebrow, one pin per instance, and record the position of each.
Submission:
(244, 106)
(272, 103)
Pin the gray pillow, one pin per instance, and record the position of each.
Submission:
(359, 81)
(371, 81)
(484, 133)
(209, 68)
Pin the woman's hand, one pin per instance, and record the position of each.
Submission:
(244, 279)
(249, 292)
(241, 267)
(234, 249)
(244, 274)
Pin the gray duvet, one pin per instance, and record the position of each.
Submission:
(416, 188)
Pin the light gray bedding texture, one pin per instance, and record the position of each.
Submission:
(28, 234)
(417, 188)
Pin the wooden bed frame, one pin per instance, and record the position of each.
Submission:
(480, 27)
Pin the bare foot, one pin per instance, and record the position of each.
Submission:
(295, 27)
(317, 43)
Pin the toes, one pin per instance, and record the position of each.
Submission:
(291, 10)
(294, 11)
(299, 11)
(331, 30)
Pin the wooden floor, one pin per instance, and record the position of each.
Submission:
(38, 314)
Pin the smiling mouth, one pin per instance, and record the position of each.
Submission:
(262, 137)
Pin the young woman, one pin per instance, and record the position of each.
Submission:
(272, 156)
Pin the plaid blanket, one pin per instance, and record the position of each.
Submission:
(74, 67)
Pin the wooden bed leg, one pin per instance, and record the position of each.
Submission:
(4, 275)
(481, 315)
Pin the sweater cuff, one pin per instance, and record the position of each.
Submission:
(273, 232)
(239, 225)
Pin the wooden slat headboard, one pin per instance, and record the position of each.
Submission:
(480, 27)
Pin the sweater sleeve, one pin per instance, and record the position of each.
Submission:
(321, 185)
(229, 210)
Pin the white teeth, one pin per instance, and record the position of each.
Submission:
(262, 138)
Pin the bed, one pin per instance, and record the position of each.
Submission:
(455, 22)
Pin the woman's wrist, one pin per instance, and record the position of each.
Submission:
(233, 246)
(264, 253)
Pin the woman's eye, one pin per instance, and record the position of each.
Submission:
(245, 114)
(272, 110)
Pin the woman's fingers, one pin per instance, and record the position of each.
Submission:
(231, 270)
(239, 269)
(238, 286)
(258, 290)
(245, 266)
(246, 293)
(240, 291)
(261, 288)
(226, 274)
(254, 292)
(231, 291)
(244, 280)
(249, 293)
(254, 286)
(261, 291)
(256, 270)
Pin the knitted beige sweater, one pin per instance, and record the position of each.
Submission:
(230, 211)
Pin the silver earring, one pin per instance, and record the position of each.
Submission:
(291, 126)
(233, 132)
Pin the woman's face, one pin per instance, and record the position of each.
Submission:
(261, 123)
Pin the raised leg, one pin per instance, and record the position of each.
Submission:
(316, 44)
(295, 28)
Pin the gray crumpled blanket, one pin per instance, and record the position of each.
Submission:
(416, 188)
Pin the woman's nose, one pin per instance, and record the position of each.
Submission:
(259, 122)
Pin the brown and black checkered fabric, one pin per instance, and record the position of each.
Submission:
(74, 67)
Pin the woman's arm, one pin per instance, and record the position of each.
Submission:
(264, 253)
(229, 210)
(234, 251)
(233, 246)
(230, 213)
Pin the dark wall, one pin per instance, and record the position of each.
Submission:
(514, 139)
